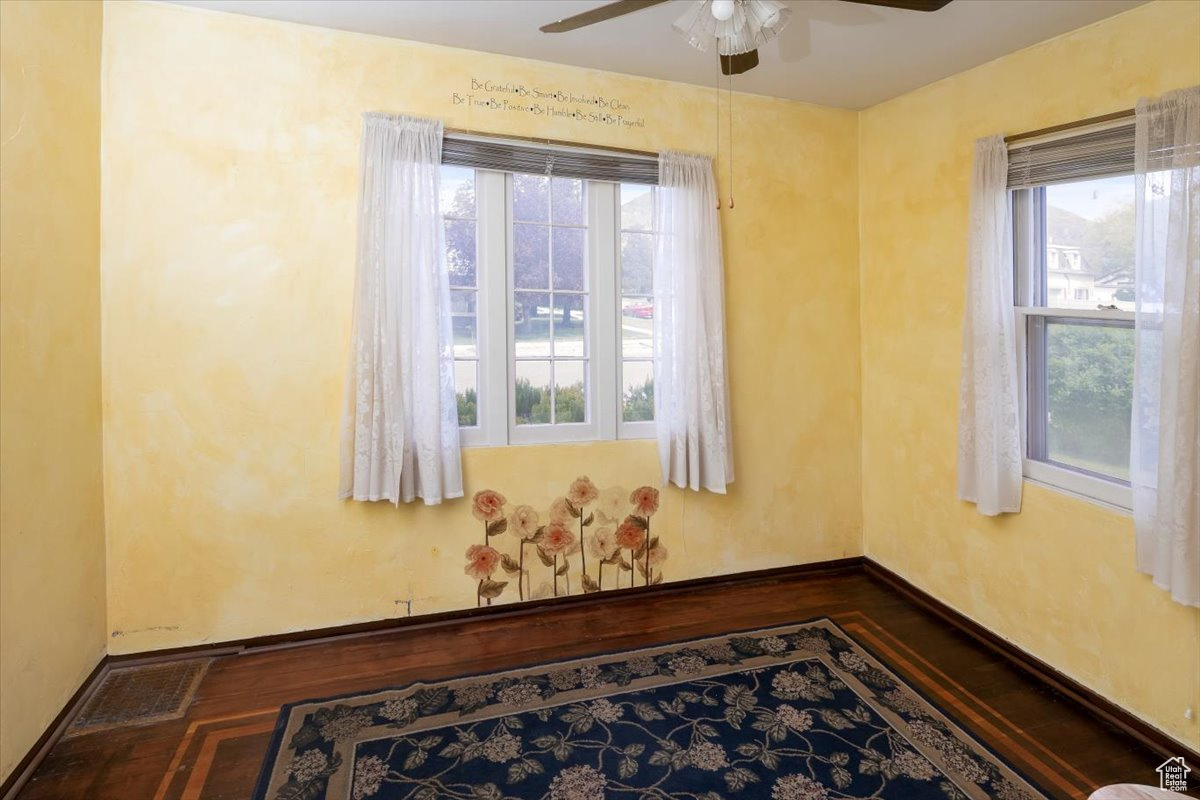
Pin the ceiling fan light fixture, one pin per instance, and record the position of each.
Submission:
(751, 24)
(722, 9)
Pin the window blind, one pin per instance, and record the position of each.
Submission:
(510, 155)
(1091, 154)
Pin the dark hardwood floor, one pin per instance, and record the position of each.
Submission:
(216, 750)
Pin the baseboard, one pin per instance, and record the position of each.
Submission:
(1159, 741)
(26, 766)
(1142, 731)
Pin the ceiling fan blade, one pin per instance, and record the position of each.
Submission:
(742, 62)
(601, 14)
(911, 5)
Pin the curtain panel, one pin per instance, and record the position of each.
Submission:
(691, 393)
(1165, 441)
(400, 420)
(989, 420)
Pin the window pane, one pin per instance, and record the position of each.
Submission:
(1089, 243)
(458, 192)
(1089, 388)
(637, 327)
(464, 323)
(570, 403)
(531, 198)
(637, 207)
(531, 324)
(637, 260)
(637, 393)
(567, 201)
(532, 391)
(460, 251)
(568, 259)
(531, 256)
(466, 384)
(569, 325)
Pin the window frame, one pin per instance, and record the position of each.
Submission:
(495, 277)
(1031, 314)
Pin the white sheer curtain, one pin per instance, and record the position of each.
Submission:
(989, 427)
(691, 397)
(1165, 449)
(400, 421)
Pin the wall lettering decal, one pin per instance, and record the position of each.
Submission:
(506, 97)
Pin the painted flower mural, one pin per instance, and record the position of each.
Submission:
(482, 559)
(619, 538)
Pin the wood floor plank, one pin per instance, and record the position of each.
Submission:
(225, 733)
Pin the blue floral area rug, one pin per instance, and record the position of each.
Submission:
(801, 712)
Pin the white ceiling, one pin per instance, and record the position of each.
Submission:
(832, 53)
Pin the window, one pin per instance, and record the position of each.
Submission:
(458, 213)
(1073, 251)
(552, 299)
(637, 308)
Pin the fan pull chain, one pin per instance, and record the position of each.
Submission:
(717, 164)
(730, 141)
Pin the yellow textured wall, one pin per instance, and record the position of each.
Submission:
(51, 516)
(230, 150)
(1059, 578)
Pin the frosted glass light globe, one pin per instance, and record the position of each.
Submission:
(722, 9)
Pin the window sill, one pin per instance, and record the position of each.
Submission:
(473, 442)
(1109, 494)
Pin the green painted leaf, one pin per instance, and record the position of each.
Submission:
(510, 564)
(492, 589)
(546, 560)
(589, 519)
(498, 527)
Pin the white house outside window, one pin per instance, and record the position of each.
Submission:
(1073, 252)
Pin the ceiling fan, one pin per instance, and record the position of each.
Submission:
(736, 27)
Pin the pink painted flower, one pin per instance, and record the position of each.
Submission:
(523, 522)
(481, 561)
(603, 543)
(488, 505)
(612, 504)
(557, 540)
(630, 535)
(582, 491)
(645, 500)
(560, 511)
(658, 554)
